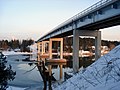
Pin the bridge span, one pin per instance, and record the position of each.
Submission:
(103, 14)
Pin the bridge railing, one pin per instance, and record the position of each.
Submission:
(84, 12)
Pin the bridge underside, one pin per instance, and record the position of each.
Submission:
(114, 21)
(103, 14)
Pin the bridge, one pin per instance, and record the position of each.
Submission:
(103, 14)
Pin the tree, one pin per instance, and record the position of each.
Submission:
(6, 73)
(25, 44)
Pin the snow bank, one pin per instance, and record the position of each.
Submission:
(104, 74)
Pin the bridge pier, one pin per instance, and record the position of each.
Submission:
(76, 34)
(38, 47)
(42, 53)
(44, 47)
(61, 54)
(75, 50)
(97, 45)
(61, 47)
(38, 51)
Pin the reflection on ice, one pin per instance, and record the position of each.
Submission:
(24, 78)
(27, 76)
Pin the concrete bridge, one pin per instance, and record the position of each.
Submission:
(103, 14)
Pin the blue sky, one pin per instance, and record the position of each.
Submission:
(24, 19)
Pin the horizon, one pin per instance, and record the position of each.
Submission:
(32, 19)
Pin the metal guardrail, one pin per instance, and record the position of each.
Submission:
(81, 14)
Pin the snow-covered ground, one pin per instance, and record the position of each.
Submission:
(104, 74)
(33, 48)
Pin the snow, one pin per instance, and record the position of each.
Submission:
(104, 74)
(14, 53)
(14, 88)
(33, 48)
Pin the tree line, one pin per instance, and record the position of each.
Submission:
(87, 43)
(16, 44)
(84, 44)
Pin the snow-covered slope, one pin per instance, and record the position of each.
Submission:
(104, 74)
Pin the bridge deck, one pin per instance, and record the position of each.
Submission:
(105, 13)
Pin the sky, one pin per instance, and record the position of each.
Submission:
(25, 19)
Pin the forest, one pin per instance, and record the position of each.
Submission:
(16, 44)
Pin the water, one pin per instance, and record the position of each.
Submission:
(27, 75)
(83, 61)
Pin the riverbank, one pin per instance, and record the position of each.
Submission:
(104, 74)
(14, 53)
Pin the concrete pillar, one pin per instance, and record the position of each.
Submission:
(61, 57)
(42, 48)
(38, 47)
(50, 69)
(61, 71)
(38, 57)
(50, 49)
(61, 48)
(75, 51)
(98, 45)
(46, 51)
(50, 77)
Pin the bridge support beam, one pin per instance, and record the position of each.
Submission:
(76, 34)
